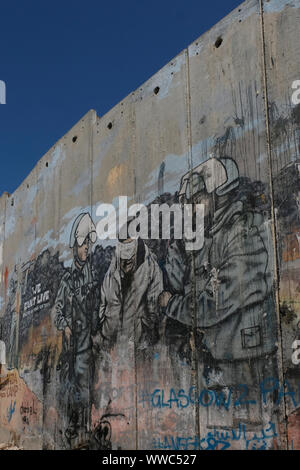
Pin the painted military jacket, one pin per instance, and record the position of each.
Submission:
(229, 294)
(131, 309)
(76, 306)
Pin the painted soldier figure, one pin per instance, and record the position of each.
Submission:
(76, 318)
(224, 290)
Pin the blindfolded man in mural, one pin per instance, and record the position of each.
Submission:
(224, 290)
(129, 295)
(76, 317)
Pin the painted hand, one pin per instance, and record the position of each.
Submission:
(68, 334)
(164, 298)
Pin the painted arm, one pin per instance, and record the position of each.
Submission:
(110, 307)
(153, 292)
(61, 320)
(237, 282)
(175, 268)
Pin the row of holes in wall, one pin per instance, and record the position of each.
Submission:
(155, 91)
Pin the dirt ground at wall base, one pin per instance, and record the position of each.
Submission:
(10, 447)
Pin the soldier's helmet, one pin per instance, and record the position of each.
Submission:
(219, 175)
(83, 227)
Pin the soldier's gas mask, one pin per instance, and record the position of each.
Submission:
(214, 176)
(82, 236)
(205, 184)
(81, 252)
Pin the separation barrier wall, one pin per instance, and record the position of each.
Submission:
(145, 344)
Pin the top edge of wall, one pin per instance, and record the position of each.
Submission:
(92, 117)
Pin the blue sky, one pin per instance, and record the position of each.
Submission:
(61, 58)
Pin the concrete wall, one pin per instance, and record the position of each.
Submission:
(208, 365)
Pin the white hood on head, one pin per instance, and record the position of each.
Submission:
(126, 250)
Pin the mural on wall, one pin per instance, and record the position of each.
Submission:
(156, 292)
(213, 307)
(228, 296)
(144, 343)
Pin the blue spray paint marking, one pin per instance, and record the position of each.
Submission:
(10, 411)
(180, 399)
(219, 440)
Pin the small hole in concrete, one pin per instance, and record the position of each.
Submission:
(28, 186)
(156, 90)
(109, 125)
(47, 164)
(12, 202)
(218, 42)
(74, 138)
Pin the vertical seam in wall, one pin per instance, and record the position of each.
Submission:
(91, 147)
(3, 264)
(44, 410)
(136, 395)
(273, 215)
(91, 150)
(2, 273)
(190, 163)
(133, 122)
(36, 205)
